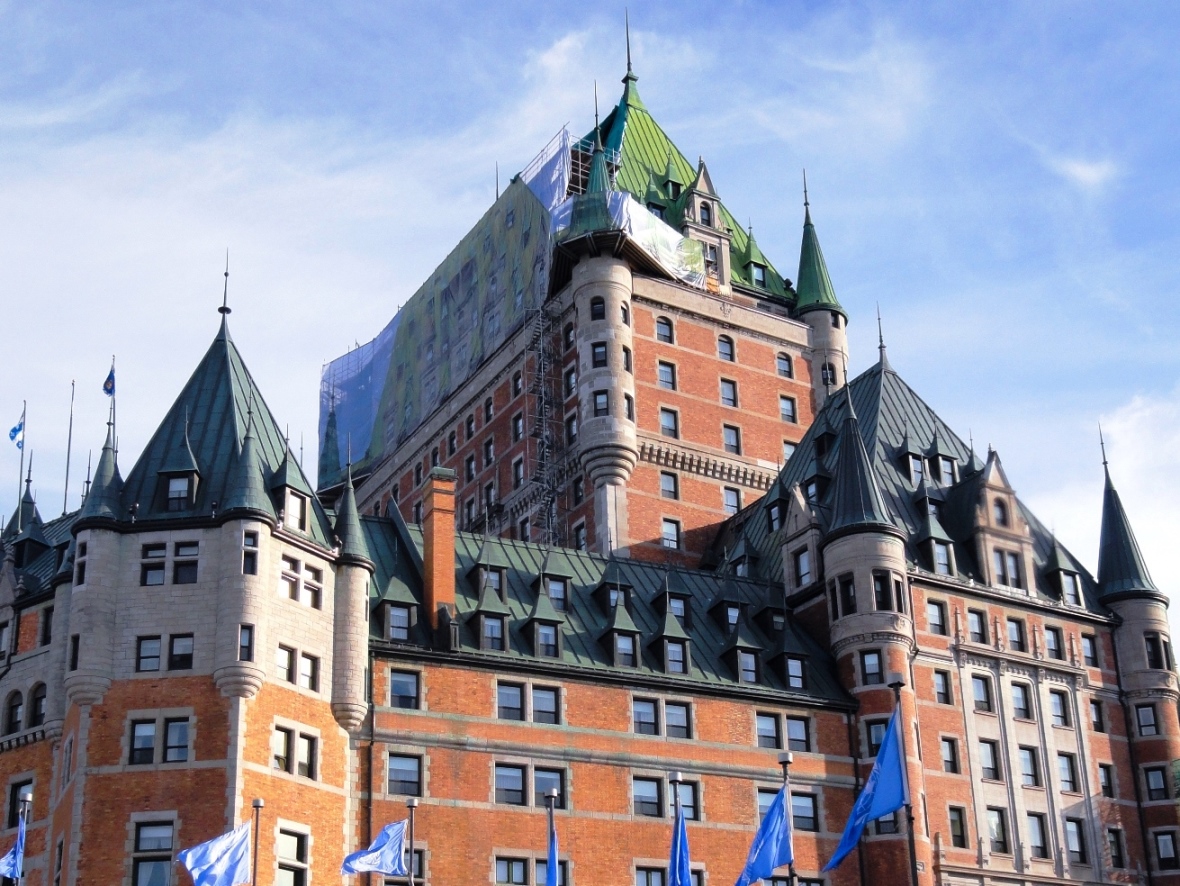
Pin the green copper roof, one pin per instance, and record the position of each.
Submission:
(25, 515)
(104, 500)
(348, 525)
(856, 501)
(644, 151)
(813, 288)
(329, 466)
(543, 609)
(247, 488)
(1120, 562)
(212, 412)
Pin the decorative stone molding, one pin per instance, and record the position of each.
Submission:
(680, 459)
(239, 680)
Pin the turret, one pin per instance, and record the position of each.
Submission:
(816, 305)
(354, 569)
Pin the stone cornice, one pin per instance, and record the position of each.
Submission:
(661, 452)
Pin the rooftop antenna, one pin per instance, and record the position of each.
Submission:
(627, 24)
(225, 308)
(65, 496)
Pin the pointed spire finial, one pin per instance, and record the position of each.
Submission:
(881, 339)
(1101, 442)
(805, 203)
(627, 21)
(225, 308)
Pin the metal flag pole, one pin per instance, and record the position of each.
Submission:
(26, 811)
(785, 759)
(551, 805)
(65, 496)
(257, 804)
(20, 477)
(412, 805)
(896, 685)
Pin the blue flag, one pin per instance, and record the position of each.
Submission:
(885, 791)
(223, 861)
(108, 386)
(14, 860)
(680, 865)
(387, 855)
(17, 434)
(773, 846)
(552, 865)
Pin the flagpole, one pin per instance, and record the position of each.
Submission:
(65, 496)
(257, 805)
(896, 686)
(26, 802)
(24, 408)
(412, 804)
(785, 760)
(551, 805)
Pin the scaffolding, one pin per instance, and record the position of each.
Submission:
(546, 420)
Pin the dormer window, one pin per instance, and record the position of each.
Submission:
(625, 650)
(556, 589)
(675, 657)
(706, 214)
(400, 620)
(492, 633)
(1071, 588)
(1007, 568)
(295, 516)
(1000, 512)
(774, 516)
(547, 642)
(942, 558)
(494, 580)
(674, 190)
(678, 606)
(946, 470)
(710, 259)
(179, 493)
(747, 667)
(917, 469)
(732, 613)
(656, 210)
(758, 275)
(811, 490)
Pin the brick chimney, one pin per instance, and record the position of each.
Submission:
(438, 537)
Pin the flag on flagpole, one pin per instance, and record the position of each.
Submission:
(17, 434)
(552, 865)
(108, 386)
(680, 865)
(773, 845)
(884, 792)
(12, 862)
(223, 861)
(387, 855)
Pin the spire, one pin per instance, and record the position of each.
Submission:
(857, 501)
(247, 489)
(883, 359)
(627, 24)
(104, 498)
(329, 467)
(225, 308)
(599, 179)
(814, 287)
(181, 460)
(1121, 570)
(27, 514)
(348, 524)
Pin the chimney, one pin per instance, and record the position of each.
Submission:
(438, 538)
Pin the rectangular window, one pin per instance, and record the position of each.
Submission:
(676, 657)
(942, 688)
(405, 775)
(176, 740)
(493, 633)
(1089, 651)
(291, 849)
(510, 785)
(598, 354)
(309, 672)
(545, 781)
(798, 734)
(152, 862)
(677, 722)
(1114, 844)
(747, 667)
(686, 792)
(184, 572)
(1165, 850)
(143, 742)
(285, 664)
(942, 558)
(511, 871)
(804, 812)
(731, 438)
(305, 756)
(1030, 770)
(545, 705)
(876, 734)
(847, 594)
(950, 754)
(1038, 846)
(245, 642)
(625, 650)
(936, 617)
(147, 654)
(1016, 641)
(1054, 644)
(601, 404)
(649, 877)
(769, 734)
(731, 500)
(1097, 720)
(547, 640)
(1075, 841)
(958, 822)
(796, 675)
(281, 741)
(669, 423)
(997, 828)
(571, 381)
(517, 428)
(1157, 782)
(671, 534)
(1072, 588)
(1021, 707)
(509, 701)
(518, 473)
(645, 716)
(1145, 717)
(180, 652)
(981, 688)
(403, 689)
(1059, 708)
(1106, 779)
(669, 485)
(989, 760)
(729, 395)
(666, 374)
(786, 409)
(977, 626)
(646, 792)
(151, 574)
(870, 668)
(543, 872)
(1067, 772)
(399, 623)
(802, 567)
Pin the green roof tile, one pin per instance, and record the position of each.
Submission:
(813, 287)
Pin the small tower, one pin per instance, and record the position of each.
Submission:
(816, 305)
(354, 569)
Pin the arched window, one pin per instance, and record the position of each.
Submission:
(37, 706)
(706, 214)
(626, 314)
(664, 330)
(597, 309)
(725, 348)
(15, 713)
(784, 365)
(1000, 511)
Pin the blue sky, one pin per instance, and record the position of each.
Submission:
(1000, 178)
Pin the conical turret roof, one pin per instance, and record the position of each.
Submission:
(104, 500)
(857, 500)
(1121, 569)
(247, 488)
(348, 525)
(26, 514)
(329, 466)
(813, 288)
